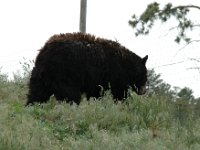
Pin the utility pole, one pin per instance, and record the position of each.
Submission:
(83, 9)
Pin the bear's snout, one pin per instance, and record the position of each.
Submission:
(142, 90)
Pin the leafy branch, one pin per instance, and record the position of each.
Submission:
(144, 23)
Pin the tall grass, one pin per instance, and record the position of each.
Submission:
(141, 122)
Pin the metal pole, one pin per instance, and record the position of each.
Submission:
(83, 9)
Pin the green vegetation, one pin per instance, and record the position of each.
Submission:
(143, 24)
(156, 121)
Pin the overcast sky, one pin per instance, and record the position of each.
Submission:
(25, 25)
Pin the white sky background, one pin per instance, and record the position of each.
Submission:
(25, 25)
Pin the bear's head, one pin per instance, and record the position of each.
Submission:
(141, 77)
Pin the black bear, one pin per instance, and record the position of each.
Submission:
(71, 64)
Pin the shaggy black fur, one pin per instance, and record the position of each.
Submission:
(75, 63)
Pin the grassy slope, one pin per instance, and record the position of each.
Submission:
(140, 123)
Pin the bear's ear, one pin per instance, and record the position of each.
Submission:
(144, 60)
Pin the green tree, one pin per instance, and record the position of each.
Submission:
(186, 105)
(144, 23)
(186, 93)
(154, 81)
(157, 86)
